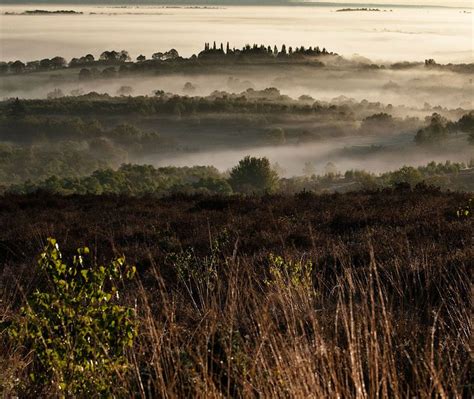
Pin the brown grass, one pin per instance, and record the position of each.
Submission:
(387, 313)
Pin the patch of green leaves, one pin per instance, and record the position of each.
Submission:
(297, 273)
(76, 328)
(465, 211)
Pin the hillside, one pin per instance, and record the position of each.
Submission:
(255, 296)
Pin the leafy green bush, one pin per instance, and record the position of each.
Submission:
(294, 273)
(75, 327)
(465, 211)
(253, 175)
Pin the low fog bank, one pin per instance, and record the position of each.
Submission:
(73, 136)
(372, 154)
(414, 87)
(404, 34)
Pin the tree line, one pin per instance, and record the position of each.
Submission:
(121, 57)
(252, 175)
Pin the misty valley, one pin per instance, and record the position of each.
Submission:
(214, 109)
(236, 199)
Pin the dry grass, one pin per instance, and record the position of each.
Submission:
(387, 313)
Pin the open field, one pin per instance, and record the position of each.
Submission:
(370, 298)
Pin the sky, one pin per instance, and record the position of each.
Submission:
(445, 3)
(448, 3)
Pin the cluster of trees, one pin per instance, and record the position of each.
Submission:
(440, 128)
(122, 57)
(19, 164)
(41, 129)
(137, 180)
(166, 56)
(378, 123)
(35, 147)
(210, 54)
(46, 12)
(87, 59)
(251, 101)
(459, 68)
(55, 63)
(448, 175)
(262, 114)
(250, 176)
(115, 56)
(260, 51)
(45, 64)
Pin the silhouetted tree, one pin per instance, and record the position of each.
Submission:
(189, 87)
(17, 67)
(32, 65)
(253, 175)
(58, 62)
(124, 56)
(3, 67)
(84, 73)
(45, 63)
(110, 56)
(466, 123)
(435, 132)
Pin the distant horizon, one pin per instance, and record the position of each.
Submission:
(340, 3)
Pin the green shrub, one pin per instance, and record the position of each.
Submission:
(253, 175)
(75, 327)
(466, 210)
(294, 273)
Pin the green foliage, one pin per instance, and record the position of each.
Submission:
(32, 164)
(406, 174)
(465, 211)
(253, 175)
(136, 180)
(213, 185)
(203, 272)
(140, 180)
(75, 327)
(368, 181)
(297, 273)
(267, 101)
